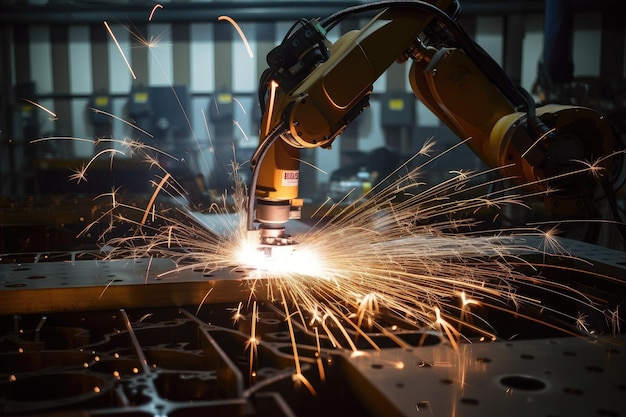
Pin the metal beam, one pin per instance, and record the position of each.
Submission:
(172, 12)
(244, 11)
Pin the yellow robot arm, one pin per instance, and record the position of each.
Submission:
(314, 89)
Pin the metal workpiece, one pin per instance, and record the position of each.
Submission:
(137, 337)
(120, 362)
(166, 361)
(192, 362)
(545, 377)
(77, 281)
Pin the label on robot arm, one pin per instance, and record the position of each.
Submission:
(290, 178)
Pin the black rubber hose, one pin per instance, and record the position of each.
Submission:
(256, 161)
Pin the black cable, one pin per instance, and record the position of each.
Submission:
(536, 125)
(302, 21)
(255, 164)
(264, 81)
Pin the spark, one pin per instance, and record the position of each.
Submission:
(318, 356)
(154, 195)
(71, 138)
(154, 9)
(594, 168)
(581, 322)
(105, 288)
(50, 112)
(535, 143)
(132, 125)
(297, 377)
(151, 45)
(253, 342)
(236, 124)
(615, 320)
(241, 34)
(120, 49)
(148, 269)
(270, 110)
(240, 105)
(203, 300)
(80, 174)
(237, 313)
(143, 317)
(315, 167)
(445, 327)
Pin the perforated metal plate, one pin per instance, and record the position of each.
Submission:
(131, 338)
(542, 378)
(68, 282)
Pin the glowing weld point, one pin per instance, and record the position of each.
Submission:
(241, 34)
(269, 261)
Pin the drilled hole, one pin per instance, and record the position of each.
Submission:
(524, 383)
(469, 401)
(573, 391)
(421, 406)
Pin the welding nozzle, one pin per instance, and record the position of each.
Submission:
(272, 216)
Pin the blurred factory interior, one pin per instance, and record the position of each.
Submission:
(189, 88)
(60, 56)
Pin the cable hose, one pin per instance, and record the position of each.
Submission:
(255, 163)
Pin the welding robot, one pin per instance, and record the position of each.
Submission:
(314, 88)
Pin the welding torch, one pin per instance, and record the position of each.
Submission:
(311, 91)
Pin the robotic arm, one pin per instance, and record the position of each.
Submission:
(313, 89)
